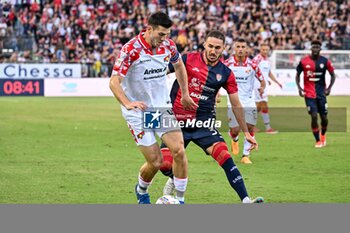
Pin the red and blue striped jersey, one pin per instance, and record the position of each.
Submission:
(314, 75)
(204, 82)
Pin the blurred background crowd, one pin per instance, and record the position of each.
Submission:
(93, 31)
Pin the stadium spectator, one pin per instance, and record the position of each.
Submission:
(147, 56)
(315, 90)
(281, 24)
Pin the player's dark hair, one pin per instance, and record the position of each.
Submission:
(160, 19)
(216, 34)
(241, 40)
(316, 42)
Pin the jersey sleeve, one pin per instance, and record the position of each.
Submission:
(175, 55)
(171, 67)
(125, 58)
(257, 70)
(330, 66)
(231, 84)
(300, 68)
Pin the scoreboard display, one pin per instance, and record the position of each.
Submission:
(21, 87)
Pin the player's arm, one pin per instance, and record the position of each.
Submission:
(114, 85)
(260, 77)
(297, 79)
(238, 110)
(273, 78)
(330, 69)
(182, 79)
(329, 88)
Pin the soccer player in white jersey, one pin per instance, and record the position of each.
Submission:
(261, 100)
(245, 71)
(138, 82)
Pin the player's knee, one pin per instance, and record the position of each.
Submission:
(178, 153)
(234, 132)
(167, 163)
(220, 153)
(265, 109)
(156, 163)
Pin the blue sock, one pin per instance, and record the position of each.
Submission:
(235, 178)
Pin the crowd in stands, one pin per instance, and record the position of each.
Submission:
(93, 31)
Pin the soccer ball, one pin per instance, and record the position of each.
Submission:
(168, 200)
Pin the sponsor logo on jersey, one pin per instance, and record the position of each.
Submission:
(199, 96)
(195, 69)
(154, 71)
(143, 61)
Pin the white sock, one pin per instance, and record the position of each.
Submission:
(266, 119)
(246, 200)
(142, 186)
(180, 187)
(246, 147)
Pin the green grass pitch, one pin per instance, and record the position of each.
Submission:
(79, 150)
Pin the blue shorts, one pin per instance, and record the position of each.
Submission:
(202, 137)
(317, 105)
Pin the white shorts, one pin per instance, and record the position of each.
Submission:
(258, 97)
(250, 115)
(144, 136)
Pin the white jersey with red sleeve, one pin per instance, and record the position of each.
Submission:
(144, 71)
(246, 73)
(264, 65)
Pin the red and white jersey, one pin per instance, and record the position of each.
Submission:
(144, 71)
(264, 65)
(245, 72)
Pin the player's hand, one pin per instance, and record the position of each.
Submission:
(188, 103)
(261, 91)
(280, 85)
(136, 105)
(327, 91)
(269, 82)
(218, 98)
(301, 92)
(252, 141)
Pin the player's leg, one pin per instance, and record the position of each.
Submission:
(313, 110)
(147, 144)
(219, 151)
(245, 156)
(147, 171)
(174, 141)
(233, 132)
(251, 119)
(266, 117)
(258, 108)
(323, 111)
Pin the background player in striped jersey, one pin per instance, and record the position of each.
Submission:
(138, 82)
(245, 71)
(261, 100)
(314, 69)
(206, 75)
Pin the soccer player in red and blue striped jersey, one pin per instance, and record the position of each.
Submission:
(314, 69)
(206, 75)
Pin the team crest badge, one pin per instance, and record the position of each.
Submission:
(140, 135)
(167, 58)
(321, 65)
(218, 77)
